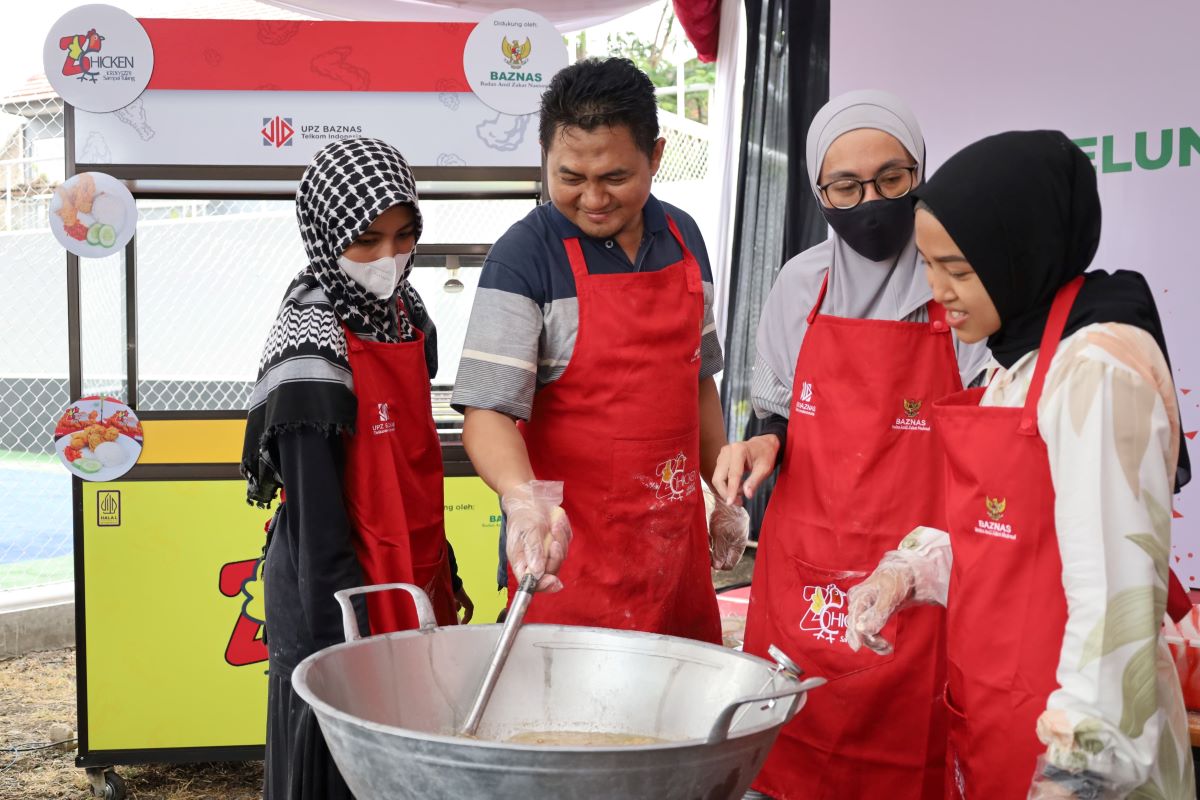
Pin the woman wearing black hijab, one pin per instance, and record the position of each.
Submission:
(1060, 473)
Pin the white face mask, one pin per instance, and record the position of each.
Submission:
(379, 277)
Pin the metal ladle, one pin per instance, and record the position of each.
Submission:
(508, 634)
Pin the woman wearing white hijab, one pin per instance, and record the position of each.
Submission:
(852, 352)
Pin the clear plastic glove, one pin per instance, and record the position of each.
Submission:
(872, 603)
(539, 532)
(728, 532)
(1053, 783)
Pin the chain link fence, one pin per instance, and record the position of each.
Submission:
(35, 492)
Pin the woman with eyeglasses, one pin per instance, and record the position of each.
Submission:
(852, 352)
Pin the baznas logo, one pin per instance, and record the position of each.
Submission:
(515, 54)
(806, 392)
(912, 408)
(277, 131)
(383, 412)
(81, 49)
(995, 508)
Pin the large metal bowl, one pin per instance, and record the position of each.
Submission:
(389, 707)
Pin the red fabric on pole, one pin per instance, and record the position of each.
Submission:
(701, 21)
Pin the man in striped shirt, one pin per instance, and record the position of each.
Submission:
(593, 326)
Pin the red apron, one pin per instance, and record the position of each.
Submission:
(393, 482)
(621, 429)
(862, 468)
(1006, 609)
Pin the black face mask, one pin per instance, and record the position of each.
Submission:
(877, 230)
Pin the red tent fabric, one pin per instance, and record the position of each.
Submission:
(701, 21)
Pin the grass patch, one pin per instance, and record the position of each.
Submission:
(10, 457)
(22, 574)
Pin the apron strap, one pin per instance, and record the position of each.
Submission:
(816, 309)
(937, 317)
(575, 257)
(690, 265)
(1051, 336)
(352, 341)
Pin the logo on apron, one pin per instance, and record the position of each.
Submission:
(805, 404)
(385, 424)
(993, 525)
(825, 616)
(675, 480)
(911, 421)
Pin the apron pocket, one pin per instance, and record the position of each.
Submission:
(655, 485)
(956, 752)
(813, 620)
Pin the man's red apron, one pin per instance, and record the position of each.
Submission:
(1006, 609)
(621, 429)
(862, 468)
(393, 482)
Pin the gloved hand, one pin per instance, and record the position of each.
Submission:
(538, 531)
(728, 532)
(872, 602)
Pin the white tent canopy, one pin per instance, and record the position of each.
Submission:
(567, 15)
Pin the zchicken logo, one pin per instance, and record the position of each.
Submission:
(82, 50)
(277, 132)
(243, 580)
(515, 54)
(825, 615)
(676, 481)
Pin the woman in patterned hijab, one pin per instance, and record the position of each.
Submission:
(304, 377)
(340, 421)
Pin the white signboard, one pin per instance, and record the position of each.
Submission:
(98, 58)
(288, 128)
(510, 58)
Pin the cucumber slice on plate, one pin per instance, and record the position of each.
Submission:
(107, 236)
(93, 234)
(88, 465)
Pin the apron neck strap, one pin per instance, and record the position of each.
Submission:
(352, 342)
(575, 257)
(816, 309)
(1051, 336)
(937, 317)
(690, 265)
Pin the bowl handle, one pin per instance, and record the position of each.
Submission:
(425, 615)
(720, 728)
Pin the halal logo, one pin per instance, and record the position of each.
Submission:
(277, 131)
(515, 54)
(912, 408)
(995, 508)
(82, 55)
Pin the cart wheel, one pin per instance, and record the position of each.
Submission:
(113, 785)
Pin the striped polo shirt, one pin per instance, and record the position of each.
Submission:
(526, 313)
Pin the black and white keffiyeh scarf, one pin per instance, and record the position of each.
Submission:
(304, 377)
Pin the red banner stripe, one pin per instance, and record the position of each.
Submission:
(294, 56)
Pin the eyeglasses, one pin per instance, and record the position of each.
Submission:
(893, 183)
